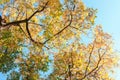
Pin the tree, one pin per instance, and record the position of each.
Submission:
(53, 27)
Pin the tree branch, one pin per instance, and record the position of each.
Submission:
(89, 60)
(22, 30)
(27, 19)
(100, 58)
(60, 30)
(38, 11)
(17, 23)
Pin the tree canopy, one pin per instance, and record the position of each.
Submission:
(31, 31)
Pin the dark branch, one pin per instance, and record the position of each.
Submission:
(30, 37)
(27, 19)
(38, 11)
(22, 30)
(96, 67)
(17, 23)
(89, 60)
(29, 34)
(60, 30)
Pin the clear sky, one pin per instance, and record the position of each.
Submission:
(109, 16)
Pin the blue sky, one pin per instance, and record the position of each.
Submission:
(109, 16)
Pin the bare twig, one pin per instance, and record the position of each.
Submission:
(96, 67)
(89, 60)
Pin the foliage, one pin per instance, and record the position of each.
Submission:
(48, 27)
